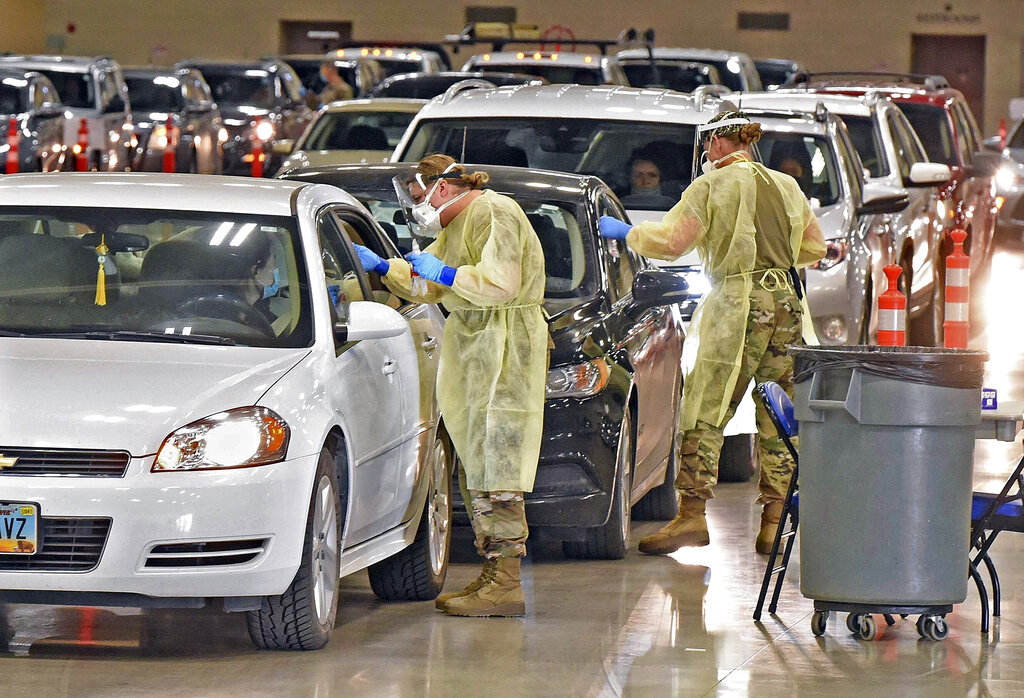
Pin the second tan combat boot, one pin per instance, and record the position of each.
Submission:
(485, 574)
(689, 528)
(771, 514)
(501, 595)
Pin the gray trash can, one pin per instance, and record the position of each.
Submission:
(886, 460)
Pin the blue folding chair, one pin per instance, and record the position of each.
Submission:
(780, 411)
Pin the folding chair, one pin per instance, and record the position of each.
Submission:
(991, 514)
(780, 410)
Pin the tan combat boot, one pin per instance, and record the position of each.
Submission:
(485, 575)
(501, 595)
(771, 514)
(689, 528)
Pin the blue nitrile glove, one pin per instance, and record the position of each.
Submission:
(612, 228)
(371, 261)
(431, 268)
(334, 291)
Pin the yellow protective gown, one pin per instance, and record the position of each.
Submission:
(493, 365)
(716, 215)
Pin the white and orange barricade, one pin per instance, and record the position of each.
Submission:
(892, 312)
(11, 165)
(956, 327)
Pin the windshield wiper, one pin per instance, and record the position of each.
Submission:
(134, 336)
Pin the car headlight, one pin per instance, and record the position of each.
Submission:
(222, 135)
(835, 252)
(264, 130)
(238, 438)
(1006, 178)
(577, 380)
(159, 137)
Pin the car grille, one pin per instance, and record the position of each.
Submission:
(33, 461)
(65, 545)
(209, 554)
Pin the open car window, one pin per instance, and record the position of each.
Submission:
(176, 273)
(808, 159)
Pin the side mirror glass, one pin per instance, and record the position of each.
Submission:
(928, 174)
(881, 198)
(655, 287)
(366, 320)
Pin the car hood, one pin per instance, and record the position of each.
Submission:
(316, 158)
(64, 393)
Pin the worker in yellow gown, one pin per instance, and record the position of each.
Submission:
(751, 226)
(486, 268)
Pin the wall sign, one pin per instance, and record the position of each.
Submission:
(948, 17)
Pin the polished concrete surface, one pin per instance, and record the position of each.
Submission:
(644, 626)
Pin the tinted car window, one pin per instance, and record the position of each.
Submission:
(583, 146)
(75, 89)
(933, 128)
(350, 130)
(160, 94)
(681, 78)
(851, 163)
(555, 74)
(868, 142)
(964, 134)
(11, 99)
(731, 73)
(393, 66)
(808, 159)
(253, 88)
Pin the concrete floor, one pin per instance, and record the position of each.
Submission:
(645, 626)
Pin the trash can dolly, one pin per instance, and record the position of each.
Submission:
(931, 624)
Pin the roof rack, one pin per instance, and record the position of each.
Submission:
(464, 86)
(703, 92)
(931, 82)
(500, 34)
(819, 114)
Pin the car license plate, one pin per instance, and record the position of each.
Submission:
(18, 528)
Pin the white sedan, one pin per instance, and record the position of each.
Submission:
(204, 397)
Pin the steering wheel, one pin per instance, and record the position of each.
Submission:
(232, 308)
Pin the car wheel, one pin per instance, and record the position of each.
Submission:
(417, 573)
(302, 618)
(738, 460)
(661, 503)
(610, 541)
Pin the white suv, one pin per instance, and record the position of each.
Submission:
(554, 66)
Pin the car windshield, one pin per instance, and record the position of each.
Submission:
(250, 88)
(394, 66)
(75, 89)
(358, 130)
(933, 128)
(168, 276)
(159, 94)
(553, 73)
(808, 159)
(313, 81)
(674, 76)
(865, 139)
(562, 227)
(11, 99)
(730, 71)
(773, 75)
(606, 149)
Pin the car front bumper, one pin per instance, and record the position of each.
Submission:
(218, 513)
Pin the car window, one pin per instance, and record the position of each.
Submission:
(357, 130)
(964, 135)
(906, 155)
(108, 88)
(933, 127)
(12, 99)
(622, 264)
(361, 232)
(867, 140)
(234, 276)
(155, 94)
(75, 89)
(807, 159)
(681, 77)
(851, 163)
(604, 148)
(345, 279)
(45, 94)
(290, 83)
(253, 88)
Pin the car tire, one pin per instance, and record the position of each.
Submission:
(738, 460)
(610, 541)
(417, 572)
(302, 618)
(660, 503)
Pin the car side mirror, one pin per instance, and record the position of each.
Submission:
(993, 143)
(199, 107)
(881, 198)
(50, 110)
(283, 146)
(115, 104)
(656, 287)
(928, 174)
(367, 320)
(984, 164)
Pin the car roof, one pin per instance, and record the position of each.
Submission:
(213, 64)
(575, 60)
(151, 71)
(392, 104)
(394, 53)
(930, 89)
(797, 100)
(151, 191)
(689, 54)
(69, 64)
(796, 121)
(609, 102)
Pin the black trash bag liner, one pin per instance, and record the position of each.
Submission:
(946, 368)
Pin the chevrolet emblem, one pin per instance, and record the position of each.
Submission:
(7, 462)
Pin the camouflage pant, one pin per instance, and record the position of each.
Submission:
(773, 323)
(498, 520)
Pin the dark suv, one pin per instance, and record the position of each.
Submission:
(946, 127)
(258, 100)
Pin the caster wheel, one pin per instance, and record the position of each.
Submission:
(853, 622)
(932, 628)
(867, 628)
(819, 620)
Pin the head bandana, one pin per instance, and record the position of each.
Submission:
(723, 124)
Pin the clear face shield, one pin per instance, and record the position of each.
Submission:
(702, 164)
(423, 219)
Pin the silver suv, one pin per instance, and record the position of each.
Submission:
(30, 100)
(92, 89)
(736, 70)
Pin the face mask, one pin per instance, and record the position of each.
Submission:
(707, 166)
(429, 218)
(647, 191)
(273, 288)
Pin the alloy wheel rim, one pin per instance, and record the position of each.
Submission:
(438, 510)
(325, 550)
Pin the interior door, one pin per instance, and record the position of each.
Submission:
(366, 392)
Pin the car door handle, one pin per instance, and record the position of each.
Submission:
(390, 367)
(430, 343)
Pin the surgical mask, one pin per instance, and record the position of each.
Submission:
(707, 165)
(273, 288)
(647, 191)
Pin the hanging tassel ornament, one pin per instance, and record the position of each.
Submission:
(101, 276)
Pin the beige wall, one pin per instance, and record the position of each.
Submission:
(824, 34)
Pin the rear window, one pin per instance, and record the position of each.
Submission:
(604, 148)
(11, 99)
(352, 130)
(934, 130)
(681, 78)
(555, 74)
(159, 94)
(253, 88)
(75, 89)
(868, 144)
